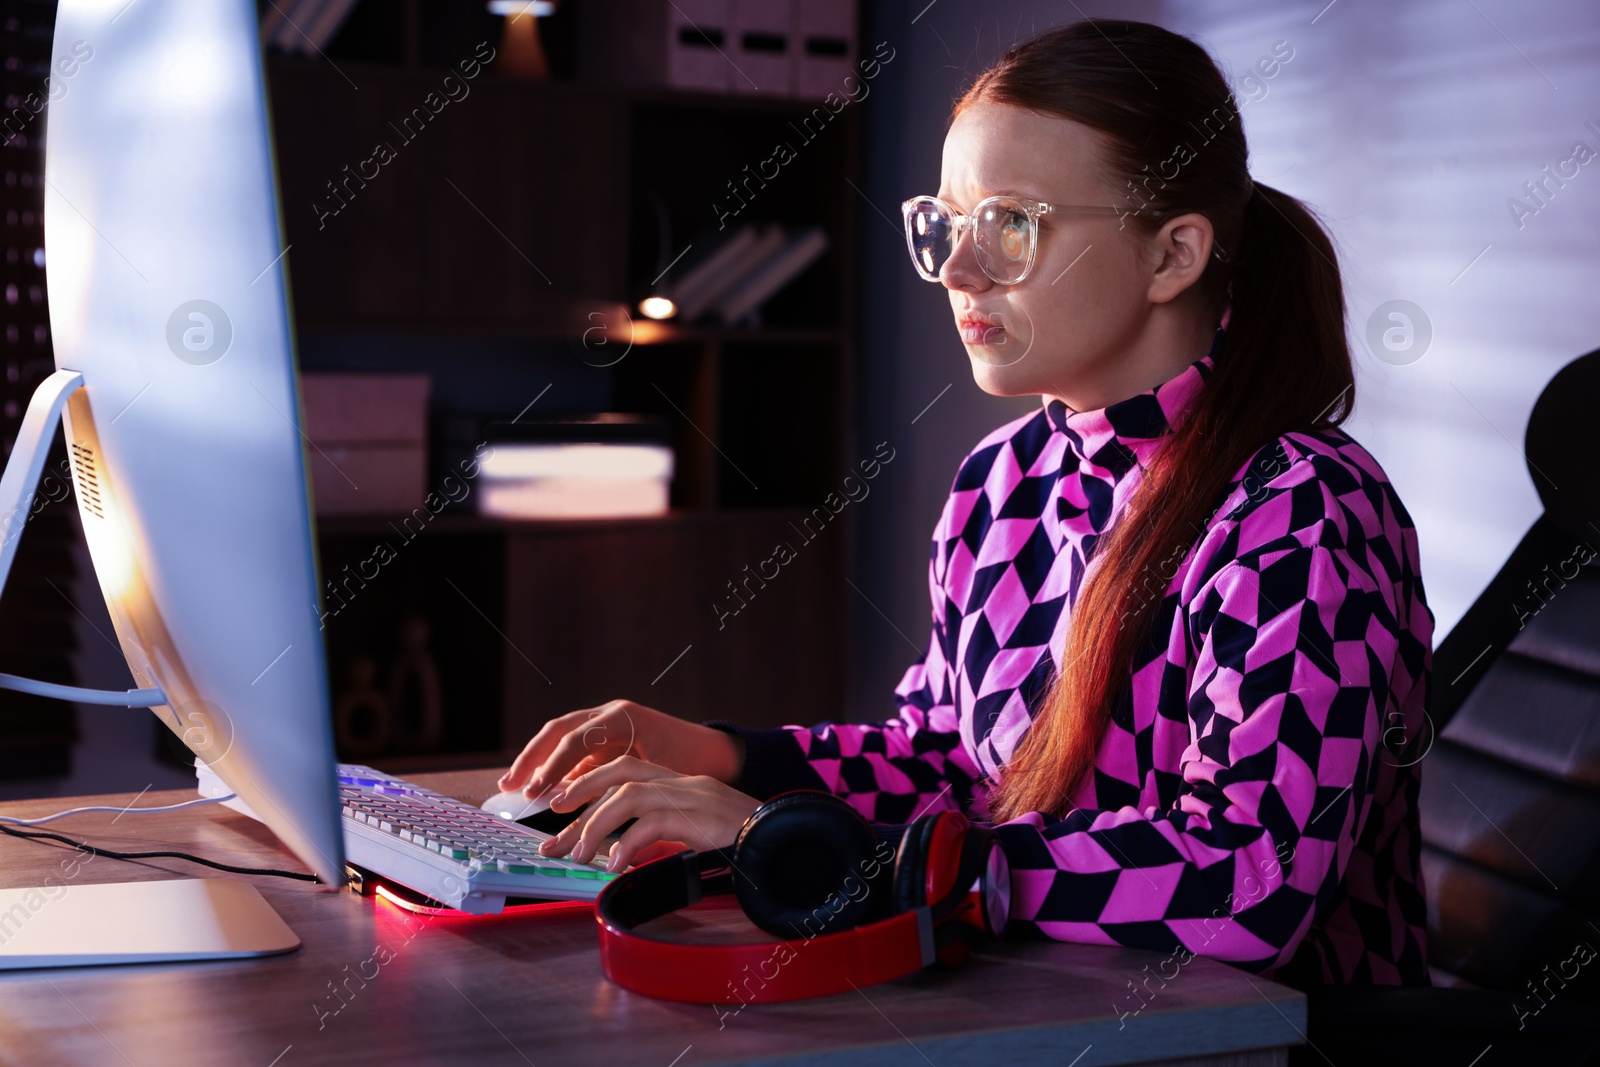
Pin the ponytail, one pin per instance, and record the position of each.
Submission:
(1288, 299)
(1284, 365)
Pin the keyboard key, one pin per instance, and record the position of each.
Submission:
(518, 868)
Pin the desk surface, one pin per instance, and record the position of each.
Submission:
(529, 989)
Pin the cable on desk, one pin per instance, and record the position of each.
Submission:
(273, 872)
(13, 820)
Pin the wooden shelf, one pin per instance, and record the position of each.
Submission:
(364, 73)
(647, 332)
(665, 333)
(450, 522)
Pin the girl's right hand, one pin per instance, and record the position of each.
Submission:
(579, 741)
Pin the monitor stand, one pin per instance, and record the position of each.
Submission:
(138, 922)
(122, 922)
(17, 487)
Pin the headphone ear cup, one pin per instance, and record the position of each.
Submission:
(911, 865)
(799, 865)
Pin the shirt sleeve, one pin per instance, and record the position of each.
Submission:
(1295, 645)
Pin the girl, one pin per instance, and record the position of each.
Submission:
(1180, 649)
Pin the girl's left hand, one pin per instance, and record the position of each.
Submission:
(672, 812)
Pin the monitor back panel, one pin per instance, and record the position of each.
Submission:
(167, 285)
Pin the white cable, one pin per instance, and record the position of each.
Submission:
(122, 698)
(126, 811)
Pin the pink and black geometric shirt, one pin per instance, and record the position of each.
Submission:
(1254, 798)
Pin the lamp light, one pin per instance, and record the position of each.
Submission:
(656, 306)
(521, 54)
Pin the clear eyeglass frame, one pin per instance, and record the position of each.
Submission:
(962, 221)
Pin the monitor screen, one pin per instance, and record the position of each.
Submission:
(168, 294)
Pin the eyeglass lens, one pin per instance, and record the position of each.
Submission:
(1003, 235)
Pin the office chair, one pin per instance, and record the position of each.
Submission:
(1510, 797)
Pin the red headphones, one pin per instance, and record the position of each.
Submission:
(808, 868)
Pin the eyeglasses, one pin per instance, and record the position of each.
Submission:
(1005, 233)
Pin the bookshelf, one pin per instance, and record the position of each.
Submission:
(470, 256)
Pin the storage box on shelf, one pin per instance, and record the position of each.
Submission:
(783, 48)
(608, 465)
(369, 441)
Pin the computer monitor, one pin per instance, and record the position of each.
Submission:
(169, 307)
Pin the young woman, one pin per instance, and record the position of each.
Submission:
(1180, 648)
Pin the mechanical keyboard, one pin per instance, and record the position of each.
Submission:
(455, 853)
(459, 855)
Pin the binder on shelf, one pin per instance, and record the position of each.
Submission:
(770, 277)
(701, 276)
(696, 31)
(768, 242)
(825, 48)
(762, 47)
(303, 25)
(325, 26)
(278, 22)
(790, 48)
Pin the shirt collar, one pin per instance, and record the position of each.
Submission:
(1122, 435)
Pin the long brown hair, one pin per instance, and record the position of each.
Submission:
(1285, 364)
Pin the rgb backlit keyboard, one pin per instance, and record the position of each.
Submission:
(448, 850)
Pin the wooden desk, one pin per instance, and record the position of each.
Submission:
(529, 989)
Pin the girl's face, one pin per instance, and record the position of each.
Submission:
(1073, 326)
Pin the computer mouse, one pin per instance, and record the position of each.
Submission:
(514, 807)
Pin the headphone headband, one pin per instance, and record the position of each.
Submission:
(758, 972)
